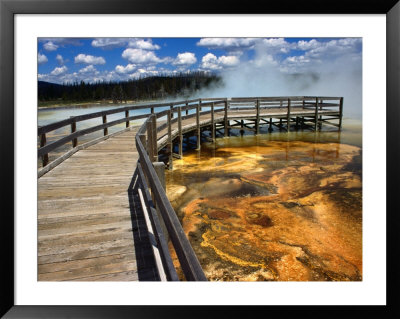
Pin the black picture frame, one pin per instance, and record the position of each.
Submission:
(8, 8)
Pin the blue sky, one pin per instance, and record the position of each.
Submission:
(62, 60)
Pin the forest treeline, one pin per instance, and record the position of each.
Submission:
(155, 87)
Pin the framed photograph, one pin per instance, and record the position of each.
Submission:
(318, 76)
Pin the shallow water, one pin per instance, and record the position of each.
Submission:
(279, 206)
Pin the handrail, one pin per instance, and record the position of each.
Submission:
(186, 105)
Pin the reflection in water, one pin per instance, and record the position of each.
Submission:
(273, 208)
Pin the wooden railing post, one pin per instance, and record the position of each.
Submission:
(187, 111)
(212, 123)
(73, 130)
(340, 112)
(198, 126)
(169, 145)
(180, 132)
(257, 116)
(226, 118)
(45, 157)
(142, 138)
(172, 110)
(154, 136)
(104, 122)
(159, 167)
(152, 110)
(200, 105)
(127, 115)
(288, 115)
(145, 143)
(150, 148)
(316, 114)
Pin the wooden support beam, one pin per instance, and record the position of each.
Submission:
(150, 140)
(172, 110)
(340, 113)
(187, 111)
(180, 131)
(127, 115)
(198, 126)
(316, 114)
(212, 123)
(169, 145)
(104, 122)
(257, 116)
(154, 136)
(226, 118)
(45, 157)
(159, 167)
(288, 115)
(152, 110)
(73, 130)
(270, 124)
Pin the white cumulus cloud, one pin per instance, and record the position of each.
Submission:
(58, 71)
(108, 43)
(211, 62)
(185, 59)
(125, 69)
(42, 58)
(139, 56)
(135, 43)
(89, 69)
(142, 44)
(50, 46)
(60, 59)
(228, 43)
(89, 59)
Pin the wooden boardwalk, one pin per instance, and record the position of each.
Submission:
(91, 224)
(89, 227)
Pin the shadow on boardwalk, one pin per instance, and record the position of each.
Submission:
(146, 265)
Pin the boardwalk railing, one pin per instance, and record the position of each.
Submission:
(156, 133)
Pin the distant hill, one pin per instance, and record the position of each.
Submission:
(156, 87)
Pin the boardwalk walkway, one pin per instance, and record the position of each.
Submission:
(91, 225)
(89, 228)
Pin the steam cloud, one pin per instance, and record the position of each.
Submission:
(327, 72)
